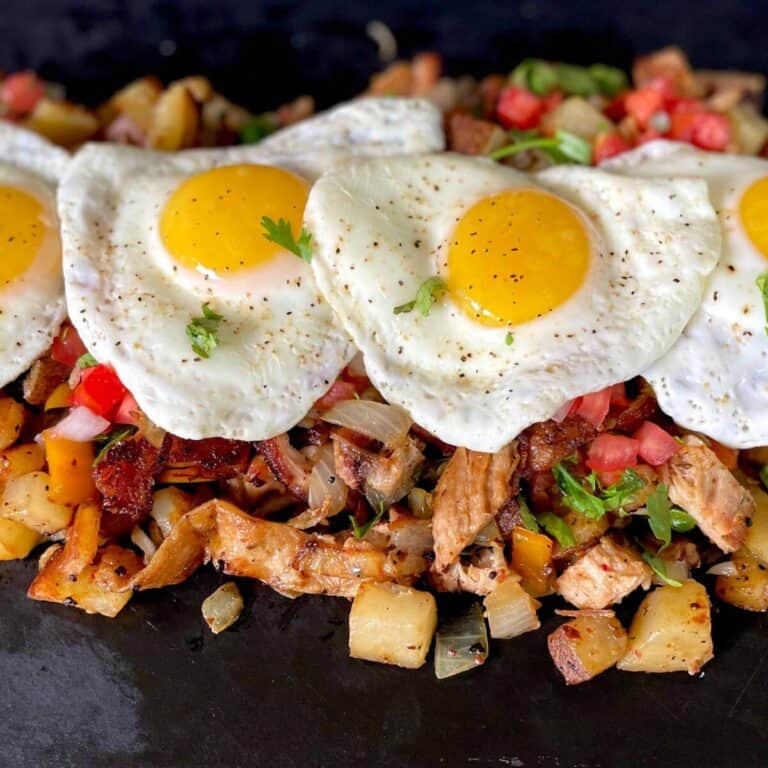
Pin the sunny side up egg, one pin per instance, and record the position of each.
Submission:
(715, 378)
(149, 238)
(31, 284)
(542, 288)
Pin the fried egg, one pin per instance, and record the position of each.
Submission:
(151, 238)
(547, 287)
(715, 378)
(31, 284)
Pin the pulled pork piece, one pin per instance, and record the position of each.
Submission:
(641, 408)
(726, 89)
(550, 441)
(605, 575)
(125, 477)
(214, 458)
(670, 63)
(287, 464)
(471, 491)
(470, 136)
(384, 478)
(480, 575)
(44, 376)
(699, 483)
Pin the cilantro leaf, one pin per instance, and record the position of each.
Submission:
(575, 495)
(257, 128)
(282, 234)
(202, 332)
(86, 361)
(682, 522)
(657, 564)
(620, 493)
(109, 439)
(535, 75)
(557, 527)
(528, 518)
(542, 77)
(360, 530)
(659, 517)
(610, 80)
(762, 284)
(563, 147)
(509, 339)
(427, 294)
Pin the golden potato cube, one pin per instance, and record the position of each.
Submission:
(671, 631)
(25, 499)
(222, 608)
(748, 588)
(175, 120)
(63, 123)
(168, 506)
(392, 624)
(756, 540)
(11, 421)
(136, 100)
(19, 460)
(17, 540)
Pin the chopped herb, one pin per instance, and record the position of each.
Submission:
(659, 516)
(762, 284)
(616, 496)
(86, 361)
(361, 530)
(427, 294)
(657, 564)
(509, 339)
(202, 332)
(109, 439)
(257, 128)
(610, 80)
(535, 75)
(611, 499)
(529, 521)
(575, 495)
(563, 147)
(543, 77)
(764, 475)
(682, 522)
(282, 234)
(576, 80)
(557, 527)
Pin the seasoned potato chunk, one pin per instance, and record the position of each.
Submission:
(757, 533)
(392, 624)
(748, 588)
(25, 499)
(587, 646)
(62, 122)
(17, 540)
(11, 421)
(671, 631)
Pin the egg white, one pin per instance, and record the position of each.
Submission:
(715, 378)
(382, 226)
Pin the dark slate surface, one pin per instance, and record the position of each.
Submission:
(153, 687)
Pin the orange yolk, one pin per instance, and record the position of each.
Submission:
(753, 210)
(23, 226)
(212, 221)
(515, 256)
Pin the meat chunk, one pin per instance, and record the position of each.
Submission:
(214, 458)
(551, 441)
(605, 575)
(470, 136)
(287, 464)
(479, 576)
(699, 483)
(43, 377)
(670, 63)
(641, 408)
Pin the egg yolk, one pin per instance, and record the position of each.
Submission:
(22, 229)
(515, 256)
(753, 210)
(212, 221)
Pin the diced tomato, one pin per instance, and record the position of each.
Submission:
(608, 145)
(708, 130)
(649, 134)
(682, 104)
(729, 456)
(519, 108)
(127, 410)
(643, 104)
(552, 100)
(609, 452)
(21, 91)
(100, 390)
(594, 406)
(619, 395)
(67, 347)
(617, 109)
(340, 390)
(656, 444)
(609, 478)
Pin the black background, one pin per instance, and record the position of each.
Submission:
(153, 687)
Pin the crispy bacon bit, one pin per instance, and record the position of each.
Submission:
(288, 465)
(44, 376)
(470, 136)
(214, 458)
(642, 408)
(550, 442)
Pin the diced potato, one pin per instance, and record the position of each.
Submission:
(11, 421)
(200, 87)
(70, 466)
(587, 646)
(17, 540)
(748, 588)
(25, 499)
(222, 608)
(577, 116)
(99, 588)
(510, 610)
(756, 540)
(168, 505)
(392, 624)
(19, 460)
(750, 128)
(175, 119)
(532, 559)
(59, 398)
(82, 540)
(671, 631)
(136, 100)
(62, 122)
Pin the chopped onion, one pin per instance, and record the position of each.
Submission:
(726, 568)
(488, 535)
(80, 425)
(420, 503)
(461, 643)
(356, 367)
(142, 541)
(388, 424)
(560, 414)
(325, 486)
(222, 608)
(510, 610)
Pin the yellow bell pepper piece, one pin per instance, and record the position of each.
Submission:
(70, 466)
(59, 398)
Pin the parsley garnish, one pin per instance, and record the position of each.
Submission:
(620, 493)
(543, 77)
(427, 295)
(361, 530)
(563, 147)
(529, 521)
(202, 332)
(282, 234)
(659, 514)
(762, 284)
(86, 361)
(257, 128)
(509, 339)
(657, 564)
(611, 499)
(109, 439)
(557, 527)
